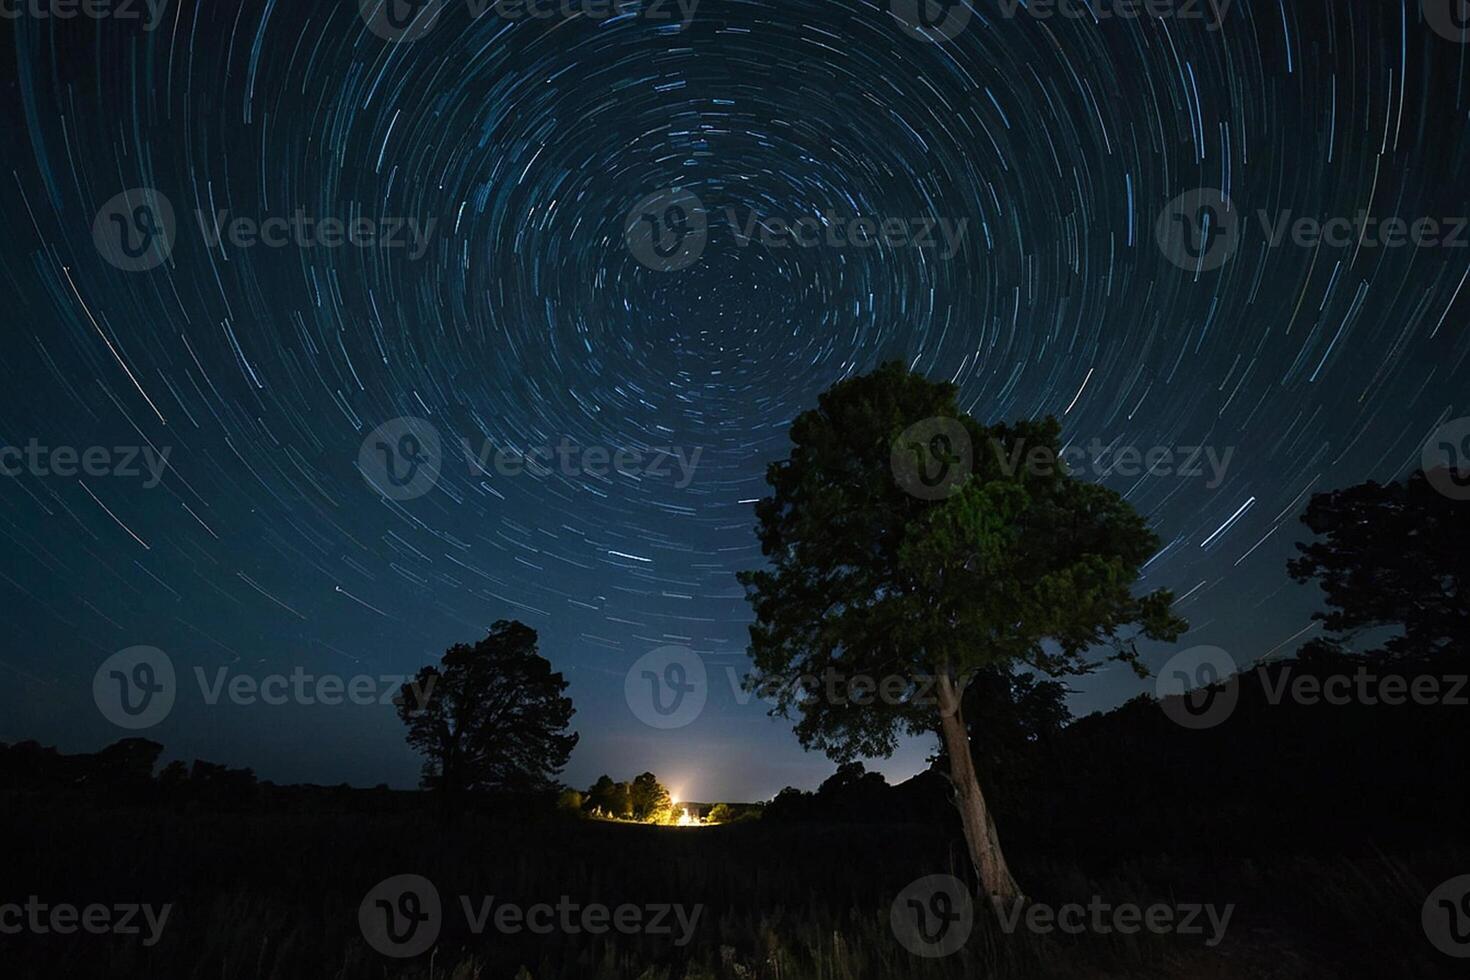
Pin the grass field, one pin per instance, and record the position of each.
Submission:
(263, 894)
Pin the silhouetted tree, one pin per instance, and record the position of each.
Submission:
(871, 578)
(492, 716)
(852, 791)
(1393, 556)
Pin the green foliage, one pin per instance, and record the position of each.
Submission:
(1020, 564)
(569, 801)
(612, 799)
(651, 801)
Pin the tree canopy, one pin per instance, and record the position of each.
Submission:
(491, 716)
(1020, 563)
(1392, 556)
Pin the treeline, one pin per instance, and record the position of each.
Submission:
(126, 774)
(1295, 767)
(645, 800)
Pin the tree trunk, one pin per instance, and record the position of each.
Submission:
(980, 834)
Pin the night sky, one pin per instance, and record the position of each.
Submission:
(521, 317)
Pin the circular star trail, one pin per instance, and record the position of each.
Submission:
(492, 165)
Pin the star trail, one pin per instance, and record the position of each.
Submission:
(367, 223)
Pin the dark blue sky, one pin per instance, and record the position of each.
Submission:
(491, 166)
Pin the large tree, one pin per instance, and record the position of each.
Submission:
(492, 716)
(923, 555)
(1394, 556)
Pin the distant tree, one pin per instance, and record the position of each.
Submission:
(651, 801)
(492, 716)
(721, 813)
(851, 789)
(620, 804)
(871, 576)
(570, 801)
(600, 794)
(1394, 556)
(790, 805)
(128, 760)
(174, 777)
